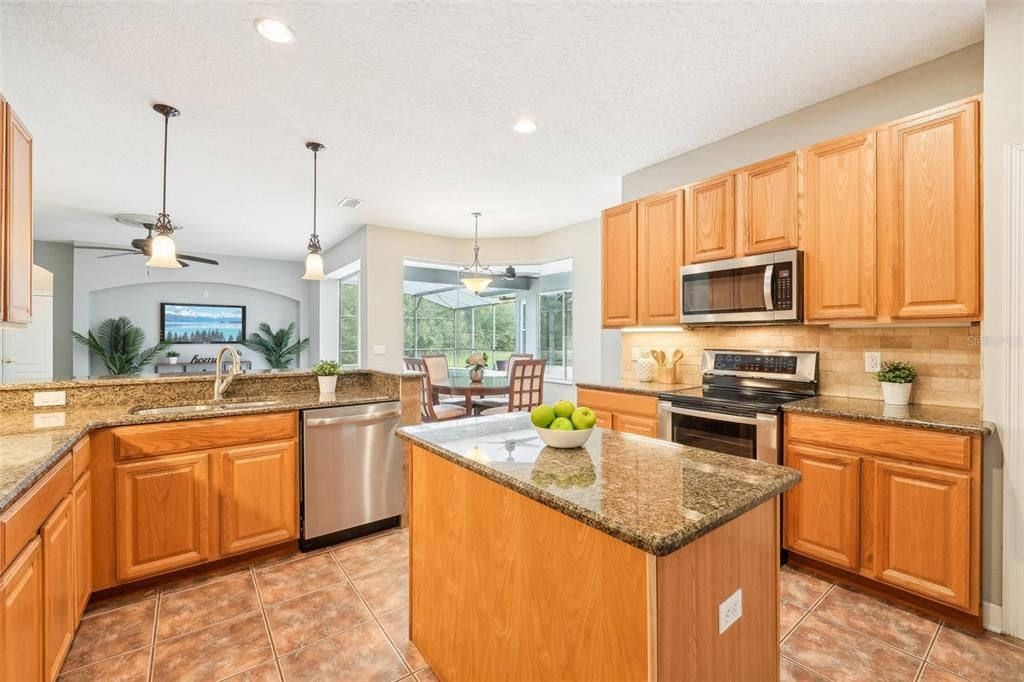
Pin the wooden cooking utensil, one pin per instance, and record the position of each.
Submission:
(677, 355)
(654, 356)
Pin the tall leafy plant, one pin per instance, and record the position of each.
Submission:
(118, 343)
(277, 346)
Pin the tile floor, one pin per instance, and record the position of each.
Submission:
(342, 614)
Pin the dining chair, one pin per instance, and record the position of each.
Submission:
(500, 400)
(525, 389)
(432, 412)
(437, 368)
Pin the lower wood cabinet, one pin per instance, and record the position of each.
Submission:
(59, 603)
(21, 616)
(625, 412)
(259, 500)
(81, 497)
(822, 512)
(635, 424)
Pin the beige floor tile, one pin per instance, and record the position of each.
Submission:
(210, 603)
(280, 582)
(266, 672)
(933, 673)
(977, 657)
(801, 589)
(789, 615)
(362, 557)
(898, 627)
(216, 652)
(360, 653)
(96, 606)
(205, 578)
(426, 675)
(130, 667)
(314, 616)
(840, 654)
(396, 626)
(386, 589)
(112, 633)
(792, 672)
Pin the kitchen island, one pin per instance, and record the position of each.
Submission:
(607, 562)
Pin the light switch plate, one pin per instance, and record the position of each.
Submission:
(730, 611)
(380, 350)
(872, 362)
(49, 398)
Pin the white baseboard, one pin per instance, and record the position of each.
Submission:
(992, 617)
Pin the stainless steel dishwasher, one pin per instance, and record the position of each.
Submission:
(352, 477)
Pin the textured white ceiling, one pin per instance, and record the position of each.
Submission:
(415, 102)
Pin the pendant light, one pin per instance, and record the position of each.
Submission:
(476, 277)
(314, 262)
(162, 252)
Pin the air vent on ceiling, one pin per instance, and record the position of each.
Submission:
(350, 202)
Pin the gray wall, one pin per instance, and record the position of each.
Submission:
(59, 258)
(954, 76)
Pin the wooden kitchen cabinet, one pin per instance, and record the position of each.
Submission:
(21, 616)
(822, 514)
(840, 230)
(259, 496)
(767, 205)
(710, 226)
(81, 499)
(16, 219)
(659, 257)
(635, 424)
(625, 412)
(619, 265)
(59, 598)
(163, 514)
(931, 213)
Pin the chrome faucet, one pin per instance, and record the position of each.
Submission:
(221, 382)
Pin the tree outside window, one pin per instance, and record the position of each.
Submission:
(348, 330)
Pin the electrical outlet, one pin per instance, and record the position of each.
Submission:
(730, 611)
(48, 420)
(48, 398)
(872, 362)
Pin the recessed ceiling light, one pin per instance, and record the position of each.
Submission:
(274, 31)
(524, 126)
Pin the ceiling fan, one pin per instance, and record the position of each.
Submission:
(143, 247)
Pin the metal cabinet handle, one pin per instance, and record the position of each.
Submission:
(356, 419)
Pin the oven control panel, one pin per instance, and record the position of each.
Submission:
(761, 364)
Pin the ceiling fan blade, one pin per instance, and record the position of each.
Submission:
(198, 259)
(118, 255)
(106, 248)
(182, 263)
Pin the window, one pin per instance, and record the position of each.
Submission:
(348, 320)
(434, 323)
(555, 329)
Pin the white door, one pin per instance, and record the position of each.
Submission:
(28, 353)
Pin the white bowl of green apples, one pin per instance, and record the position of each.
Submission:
(563, 425)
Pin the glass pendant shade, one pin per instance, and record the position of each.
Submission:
(476, 284)
(314, 267)
(163, 253)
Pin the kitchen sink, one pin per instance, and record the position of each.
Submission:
(206, 407)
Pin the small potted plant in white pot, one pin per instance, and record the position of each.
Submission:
(327, 372)
(172, 357)
(476, 362)
(896, 378)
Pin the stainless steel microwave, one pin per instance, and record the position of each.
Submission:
(762, 289)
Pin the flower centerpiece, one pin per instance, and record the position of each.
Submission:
(477, 362)
(896, 378)
(327, 372)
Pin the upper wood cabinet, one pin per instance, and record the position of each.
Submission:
(21, 616)
(931, 219)
(659, 257)
(766, 205)
(822, 512)
(619, 265)
(259, 496)
(839, 230)
(16, 286)
(711, 219)
(59, 599)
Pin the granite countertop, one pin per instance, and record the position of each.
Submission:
(33, 441)
(935, 417)
(655, 495)
(633, 386)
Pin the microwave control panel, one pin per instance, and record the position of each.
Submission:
(782, 287)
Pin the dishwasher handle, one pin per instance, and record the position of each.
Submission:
(354, 419)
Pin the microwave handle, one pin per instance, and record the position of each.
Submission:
(768, 271)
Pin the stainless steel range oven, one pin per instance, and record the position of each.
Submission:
(751, 290)
(737, 408)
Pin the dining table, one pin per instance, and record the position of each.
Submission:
(461, 384)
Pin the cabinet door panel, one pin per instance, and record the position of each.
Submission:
(18, 219)
(604, 420)
(923, 530)
(640, 426)
(711, 220)
(659, 257)
(259, 496)
(822, 510)
(933, 165)
(163, 514)
(81, 496)
(618, 262)
(21, 616)
(59, 599)
(839, 239)
(766, 205)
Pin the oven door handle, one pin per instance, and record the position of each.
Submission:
(718, 416)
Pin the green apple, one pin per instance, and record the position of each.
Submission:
(584, 418)
(542, 416)
(561, 424)
(563, 408)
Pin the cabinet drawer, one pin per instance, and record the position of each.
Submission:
(22, 521)
(619, 403)
(136, 442)
(898, 442)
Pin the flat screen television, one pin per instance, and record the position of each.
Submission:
(201, 323)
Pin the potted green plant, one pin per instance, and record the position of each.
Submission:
(276, 346)
(327, 372)
(172, 357)
(476, 362)
(118, 343)
(896, 377)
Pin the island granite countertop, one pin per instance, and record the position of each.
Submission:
(655, 495)
(934, 417)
